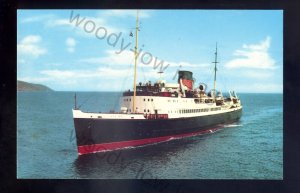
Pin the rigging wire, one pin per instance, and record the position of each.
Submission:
(125, 79)
(87, 99)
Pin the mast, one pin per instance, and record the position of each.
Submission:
(135, 59)
(160, 73)
(75, 101)
(215, 69)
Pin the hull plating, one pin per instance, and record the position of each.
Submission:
(95, 135)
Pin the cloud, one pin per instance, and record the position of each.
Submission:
(40, 18)
(67, 22)
(249, 73)
(189, 65)
(126, 13)
(126, 58)
(103, 72)
(34, 79)
(254, 56)
(29, 46)
(84, 26)
(259, 88)
(71, 43)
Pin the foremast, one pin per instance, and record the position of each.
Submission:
(135, 59)
(215, 70)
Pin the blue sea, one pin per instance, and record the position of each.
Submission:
(251, 148)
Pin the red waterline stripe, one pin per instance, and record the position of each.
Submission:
(85, 149)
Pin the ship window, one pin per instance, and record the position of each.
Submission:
(144, 99)
(148, 99)
(129, 99)
(148, 110)
(144, 110)
(151, 99)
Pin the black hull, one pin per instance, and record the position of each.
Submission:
(110, 133)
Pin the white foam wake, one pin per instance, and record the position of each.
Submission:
(233, 125)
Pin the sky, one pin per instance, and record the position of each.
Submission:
(92, 50)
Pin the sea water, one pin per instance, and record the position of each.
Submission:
(251, 148)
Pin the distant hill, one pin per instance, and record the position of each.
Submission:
(26, 86)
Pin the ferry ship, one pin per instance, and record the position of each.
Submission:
(159, 112)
